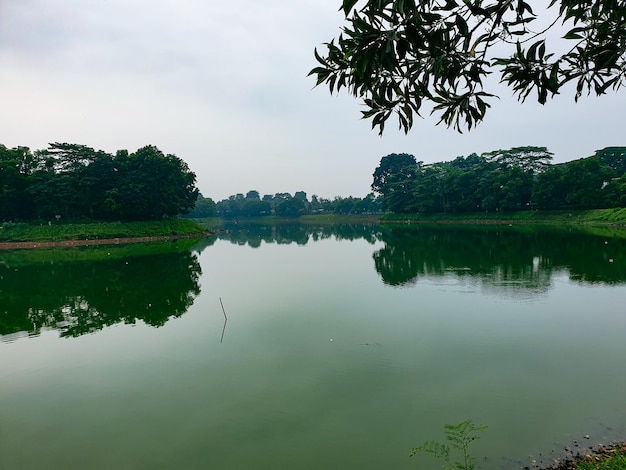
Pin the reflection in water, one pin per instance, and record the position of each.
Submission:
(278, 393)
(286, 233)
(502, 258)
(495, 258)
(80, 297)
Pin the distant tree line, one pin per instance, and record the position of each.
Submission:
(76, 182)
(205, 207)
(520, 178)
(285, 205)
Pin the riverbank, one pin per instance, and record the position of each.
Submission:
(609, 457)
(606, 217)
(16, 236)
(595, 217)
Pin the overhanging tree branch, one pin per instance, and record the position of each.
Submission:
(398, 55)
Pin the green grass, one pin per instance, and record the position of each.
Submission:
(11, 232)
(19, 258)
(587, 217)
(596, 217)
(614, 462)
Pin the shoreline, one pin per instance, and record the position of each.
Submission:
(595, 456)
(24, 245)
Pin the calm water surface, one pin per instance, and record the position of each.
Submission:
(344, 347)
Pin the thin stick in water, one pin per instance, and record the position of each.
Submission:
(223, 309)
(225, 321)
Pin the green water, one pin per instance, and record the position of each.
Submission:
(337, 348)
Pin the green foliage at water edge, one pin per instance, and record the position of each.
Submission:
(14, 232)
(18, 258)
(459, 437)
(616, 216)
(615, 462)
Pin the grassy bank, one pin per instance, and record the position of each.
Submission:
(612, 457)
(588, 217)
(19, 258)
(598, 217)
(611, 463)
(11, 232)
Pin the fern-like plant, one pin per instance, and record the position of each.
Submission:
(459, 437)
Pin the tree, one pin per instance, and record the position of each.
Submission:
(291, 208)
(393, 179)
(205, 207)
(586, 180)
(529, 159)
(153, 185)
(397, 55)
(614, 157)
(550, 190)
(77, 182)
(301, 195)
(253, 194)
(15, 167)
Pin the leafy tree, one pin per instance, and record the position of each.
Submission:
(529, 159)
(614, 157)
(615, 192)
(586, 180)
(153, 185)
(393, 179)
(397, 55)
(15, 167)
(239, 206)
(586, 183)
(255, 208)
(77, 182)
(550, 190)
(205, 207)
(345, 205)
(291, 207)
(253, 195)
(369, 204)
(515, 188)
(300, 195)
(320, 204)
(461, 183)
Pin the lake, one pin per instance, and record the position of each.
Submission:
(313, 347)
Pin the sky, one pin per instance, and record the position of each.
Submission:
(223, 85)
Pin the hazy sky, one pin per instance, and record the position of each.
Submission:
(224, 86)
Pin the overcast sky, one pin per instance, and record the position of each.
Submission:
(223, 85)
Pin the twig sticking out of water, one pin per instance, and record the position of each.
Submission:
(223, 309)
(225, 320)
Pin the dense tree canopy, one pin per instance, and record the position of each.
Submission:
(205, 207)
(520, 178)
(396, 55)
(393, 178)
(73, 182)
(286, 205)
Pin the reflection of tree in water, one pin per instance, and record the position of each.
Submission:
(83, 297)
(498, 258)
(502, 258)
(254, 235)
